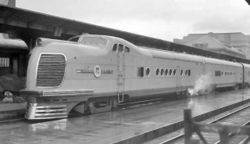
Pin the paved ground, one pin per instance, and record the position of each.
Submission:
(113, 126)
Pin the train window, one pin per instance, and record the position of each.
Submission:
(94, 41)
(4, 62)
(170, 72)
(157, 71)
(218, 73)
(162, 71)
(140, 71)
(174, 72)
(189, 72)
(147, 71)
(166, 72)
(181, 72)
(114, 47)
(126, 49)
(120, 47)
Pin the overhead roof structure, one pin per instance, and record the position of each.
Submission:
(13, 46)
(29, 25)
(13, 43)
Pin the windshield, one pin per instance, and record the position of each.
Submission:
(94, 41)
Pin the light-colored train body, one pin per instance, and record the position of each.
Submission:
(246, 77)
(102, 71)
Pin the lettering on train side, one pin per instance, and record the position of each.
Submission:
(91, 71)
(84, 71)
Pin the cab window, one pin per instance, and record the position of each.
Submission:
(140, 71)
(114, 47)
(120, 47)
(93, 41)
(127, 49)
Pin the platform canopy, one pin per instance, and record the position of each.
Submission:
(29, 25)
(13, 44)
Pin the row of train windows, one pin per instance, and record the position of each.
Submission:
(120, 48)
(220, 73)
(162, 72)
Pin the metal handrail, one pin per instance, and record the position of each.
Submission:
(224, 131)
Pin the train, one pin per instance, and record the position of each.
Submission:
(96, 73)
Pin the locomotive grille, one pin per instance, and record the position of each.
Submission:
(50, 70)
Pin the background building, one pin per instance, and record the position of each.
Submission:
(234, 44)
(13, 52)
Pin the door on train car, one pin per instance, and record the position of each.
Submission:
(179, 79)
(120, 72)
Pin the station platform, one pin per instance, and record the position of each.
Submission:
(12, 111)
(112, 127)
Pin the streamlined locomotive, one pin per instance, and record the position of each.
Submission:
(96, 73)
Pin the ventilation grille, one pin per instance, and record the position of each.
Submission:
(50, 70)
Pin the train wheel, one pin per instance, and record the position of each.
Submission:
(99, 106)
(81, 108)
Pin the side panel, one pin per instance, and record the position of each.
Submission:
(247, 73)
(224, 75)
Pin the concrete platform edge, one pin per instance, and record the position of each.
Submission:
(11, 115)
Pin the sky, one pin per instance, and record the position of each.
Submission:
(163, 19)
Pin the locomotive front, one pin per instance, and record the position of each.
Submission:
(46, 94)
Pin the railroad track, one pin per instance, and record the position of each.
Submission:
(239, 116)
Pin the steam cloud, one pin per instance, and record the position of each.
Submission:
(203, 85)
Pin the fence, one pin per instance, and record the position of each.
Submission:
(225, 132)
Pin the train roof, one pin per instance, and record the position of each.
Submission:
(105, 41)
(246, 65)
(164, 54)
(109, 38)
(221, 62)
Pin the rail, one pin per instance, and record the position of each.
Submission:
(224, 131)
